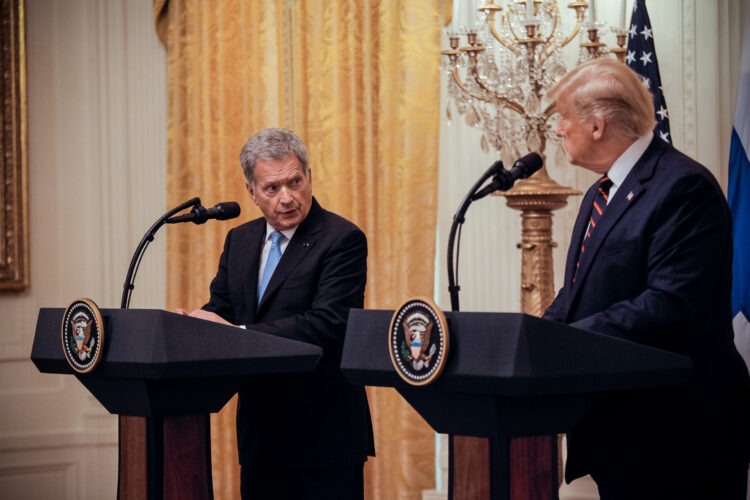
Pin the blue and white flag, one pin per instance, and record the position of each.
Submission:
(641, 58)
(738, 194)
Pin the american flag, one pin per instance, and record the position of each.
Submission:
(641, 58)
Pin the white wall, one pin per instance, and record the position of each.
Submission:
(97, 156)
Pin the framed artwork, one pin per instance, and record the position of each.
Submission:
(14, 181)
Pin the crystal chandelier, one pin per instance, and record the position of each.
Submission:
(513, 58)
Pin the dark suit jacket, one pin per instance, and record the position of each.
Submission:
(657, 270)
(311, 420)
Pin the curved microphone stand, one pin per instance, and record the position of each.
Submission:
(148, 238)
(458, 219)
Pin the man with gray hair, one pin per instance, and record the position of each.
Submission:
(650, 261)
(295, 272)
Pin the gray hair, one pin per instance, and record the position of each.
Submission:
(272, 144)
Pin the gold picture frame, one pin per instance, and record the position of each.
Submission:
(14, 184)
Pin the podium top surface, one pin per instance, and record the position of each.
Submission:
(156, 344)
(513, 354)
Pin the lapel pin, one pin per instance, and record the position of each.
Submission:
(630, 196)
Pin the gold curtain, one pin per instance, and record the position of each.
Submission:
(358, 80)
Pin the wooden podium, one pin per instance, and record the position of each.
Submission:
(163, 373)
(508, 375)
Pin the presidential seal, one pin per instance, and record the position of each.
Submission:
(418, 341)
(82, 335)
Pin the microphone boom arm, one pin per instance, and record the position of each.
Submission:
(502, 180)
(148, 238)
(458, 219)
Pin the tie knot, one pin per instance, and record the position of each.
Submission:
(276, 238)
(605, 183)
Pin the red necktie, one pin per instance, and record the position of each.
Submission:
(600, 204)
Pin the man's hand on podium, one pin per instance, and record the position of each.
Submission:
(201, 314)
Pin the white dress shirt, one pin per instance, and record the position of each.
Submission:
(288, 233)
(625, 163)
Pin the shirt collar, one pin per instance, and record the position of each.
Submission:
(627, 160)
(288, 233)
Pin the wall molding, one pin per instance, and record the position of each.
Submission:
(689, 102)
(56, 440)
(59, 465)
(66, 466)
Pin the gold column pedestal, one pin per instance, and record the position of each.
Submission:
(536, 198)
(536, 460)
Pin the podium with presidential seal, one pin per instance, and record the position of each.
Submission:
(163, 373)
(498, 376)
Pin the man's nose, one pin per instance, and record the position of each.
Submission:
(558, 130)
(284, 195)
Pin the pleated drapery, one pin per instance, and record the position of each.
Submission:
(358, 81)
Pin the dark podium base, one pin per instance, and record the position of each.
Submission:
(163, 373)
(509, 376)
(144, 473)
(503, 468)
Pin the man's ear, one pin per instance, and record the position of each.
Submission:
(251, 191)
(598, 129)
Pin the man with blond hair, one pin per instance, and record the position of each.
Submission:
(650, 261)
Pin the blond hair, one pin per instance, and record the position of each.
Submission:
(609, 90)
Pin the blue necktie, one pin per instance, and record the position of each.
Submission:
(274, 256)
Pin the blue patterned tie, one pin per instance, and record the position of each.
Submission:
(274, 256)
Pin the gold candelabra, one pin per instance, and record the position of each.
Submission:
(595, 48)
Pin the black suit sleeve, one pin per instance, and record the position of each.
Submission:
(220, 302)
(688, 248)
(340, 287)
(555, 310)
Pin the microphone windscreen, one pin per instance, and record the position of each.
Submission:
(529, 164)
(227, 210)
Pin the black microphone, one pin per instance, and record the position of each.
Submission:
(503, 179)
(524, 167)
(199, 214)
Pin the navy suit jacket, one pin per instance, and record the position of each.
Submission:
(310, 420)
(657, 270)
